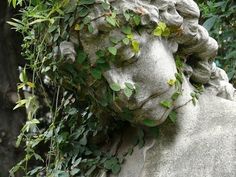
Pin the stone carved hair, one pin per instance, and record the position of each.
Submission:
(192, 42)
(183, 14)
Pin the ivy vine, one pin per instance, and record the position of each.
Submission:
(67, 123)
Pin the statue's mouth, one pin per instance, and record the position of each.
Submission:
(151, 97)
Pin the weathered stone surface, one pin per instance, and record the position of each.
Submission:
(201, 143)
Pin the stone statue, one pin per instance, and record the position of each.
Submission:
(203, 140)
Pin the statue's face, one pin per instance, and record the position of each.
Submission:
(149, 71)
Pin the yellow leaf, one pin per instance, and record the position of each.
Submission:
(171, 82)
(130, 36)
(162, 25)
(157, 31)
(135, 45)
(77, 27)
(31, 85)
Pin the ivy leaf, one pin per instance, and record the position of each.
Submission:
(175, 95)
(161, 30)
(173, 116)
(74, 171)
(114, 40)
(126, 41)
(100, 53)
(105, 6)
(166, 32)
(112, 50)
(149, 122)
(86, 2)
(116, 168)
(126, 30)
(127, 16)
(30, 84)
(137, 19)
(171, 82)
(63, 174)
(162, 25)
(111, 20)
(135, 45)
(97, 74)
(90, 28)
(129, 85)
(81, 57)
(115, 87)
(157, 31)
(77, 27)
(128, 92)
(130, 36)
(166, 104)
(113, 165)
(83, 11)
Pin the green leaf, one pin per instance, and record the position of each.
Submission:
(90, 28)
(97, 74)
(210, 23)
(23, 77)
(161, 30)
(86, 2)
(126, 30)
(81, 57)
(105, 6)
(175, 95)
(149, 122)
(130, 36)
(128, 92)
(100, 53)
(115, 87)
(111, 21)
(74, 171)
(83, 12)
(112, 50)
(126, 41)
(166, 32)
(83, 141)
(115, 40)
(166, 104)
(129, 85)
(137, 19)
(173, 116)
(157, 31)
(135, 46)
(113, 165)
(127, 16)
(63, 174)
(116, 168)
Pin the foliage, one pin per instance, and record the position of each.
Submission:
(220, 20)
(68, 119)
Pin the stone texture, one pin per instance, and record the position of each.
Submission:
(201, 143)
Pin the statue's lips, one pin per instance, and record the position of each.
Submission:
(140, 103)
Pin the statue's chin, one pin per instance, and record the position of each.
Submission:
(152, 113)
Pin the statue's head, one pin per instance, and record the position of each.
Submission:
(142, 38)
